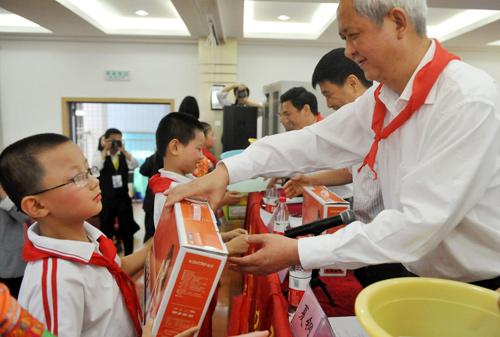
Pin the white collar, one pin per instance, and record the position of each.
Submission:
(176, 176)
(75, 250)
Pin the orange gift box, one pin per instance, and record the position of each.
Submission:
(319, 203)
(183, 268)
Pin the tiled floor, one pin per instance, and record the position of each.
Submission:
(230, 284)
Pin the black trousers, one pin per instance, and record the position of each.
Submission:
(121, 209)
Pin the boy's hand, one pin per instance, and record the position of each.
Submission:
(188, 333)
(147, 330)
(228, 236)
(237, 246)
(295, 186)
(232, 198)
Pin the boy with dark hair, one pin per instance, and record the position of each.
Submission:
(179, 140)
(73, 281)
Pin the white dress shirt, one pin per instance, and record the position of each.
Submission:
(439, 174)
(99, 162)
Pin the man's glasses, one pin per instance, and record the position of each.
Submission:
(80, 180)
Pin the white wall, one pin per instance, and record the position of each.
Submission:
(262, 65)
(34, 76)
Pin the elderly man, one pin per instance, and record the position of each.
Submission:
(433, 128)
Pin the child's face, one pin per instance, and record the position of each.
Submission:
(210, 139)
(69, 204)
(191, 153)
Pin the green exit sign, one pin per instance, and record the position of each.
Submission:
(117, 75)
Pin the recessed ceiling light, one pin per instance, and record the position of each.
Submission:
(141, 12)
(283, 17)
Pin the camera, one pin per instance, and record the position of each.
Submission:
(242, 94)
(116, 143)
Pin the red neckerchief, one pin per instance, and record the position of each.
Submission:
(319, 118)
(159, 184)
(210, 156)
(422, 85)
(107, 259)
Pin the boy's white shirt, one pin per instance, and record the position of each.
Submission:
(89, 302)
(160, 199)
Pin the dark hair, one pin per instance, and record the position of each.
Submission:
(235, 92)
(206, 128)
(112, 131)
(99, 145)
(335, 67)
(299, 97)
(176, 125)
(21, 173)
(189, 105)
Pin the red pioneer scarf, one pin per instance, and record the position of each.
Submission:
(107, 259)
(422, 85)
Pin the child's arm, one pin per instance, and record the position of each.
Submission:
(132, 263)
(228, 236)
(231, 198)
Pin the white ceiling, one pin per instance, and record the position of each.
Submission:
(312, 22)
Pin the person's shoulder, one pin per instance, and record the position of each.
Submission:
(468, 81)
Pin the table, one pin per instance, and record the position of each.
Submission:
(262, 306)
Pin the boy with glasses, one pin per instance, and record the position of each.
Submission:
(73, 281)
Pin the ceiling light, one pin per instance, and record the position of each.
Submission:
(141, 12)
(495, 43)
(322, 15)
(462, 23)
(283, 17)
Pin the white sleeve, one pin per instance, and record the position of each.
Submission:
(97, 160)
(64, 303)
(159, 204)
(222, 97)
(322, 146)
(434, 201)
(133, 163)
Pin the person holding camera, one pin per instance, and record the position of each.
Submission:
(114, 163)
(241, 93)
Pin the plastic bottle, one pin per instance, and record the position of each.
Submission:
(299, 281)
(271, 199)
(15, 321)
(281, 217)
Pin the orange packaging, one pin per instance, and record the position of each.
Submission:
(183, 268)
(319, 203)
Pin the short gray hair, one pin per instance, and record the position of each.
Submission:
(376, 10)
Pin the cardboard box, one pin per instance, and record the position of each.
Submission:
(319, 203)
(183, 268)
(238, 211)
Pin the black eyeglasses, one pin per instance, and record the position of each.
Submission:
(80, 180)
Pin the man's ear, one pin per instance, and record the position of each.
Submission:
(352, 83)
(307, 109)
(173, 146)
(400, 20)
(32, 206)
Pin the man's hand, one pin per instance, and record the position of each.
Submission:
(277, 253)
(295, 186)
(211, 186)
